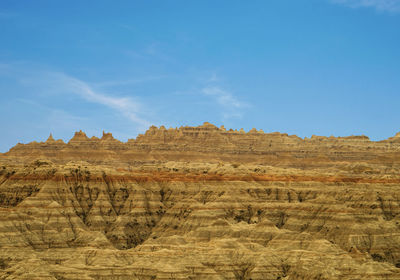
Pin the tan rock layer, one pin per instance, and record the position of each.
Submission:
(209, 143)
(91, 222)
(201, 203)
(182, 177)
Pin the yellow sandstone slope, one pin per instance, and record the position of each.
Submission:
(201, 203)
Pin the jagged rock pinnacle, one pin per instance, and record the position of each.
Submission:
(79, 137)
(50, 139)
(107, 136)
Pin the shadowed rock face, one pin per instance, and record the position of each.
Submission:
(201, 203)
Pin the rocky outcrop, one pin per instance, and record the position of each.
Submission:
(201, 203)
(209, 143)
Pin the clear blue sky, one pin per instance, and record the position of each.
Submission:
(325, 67)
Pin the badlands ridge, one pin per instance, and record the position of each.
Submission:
(201, 203)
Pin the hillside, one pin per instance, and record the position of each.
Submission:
(201, 203)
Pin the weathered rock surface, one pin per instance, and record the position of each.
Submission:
(208, 143)
(201, 203)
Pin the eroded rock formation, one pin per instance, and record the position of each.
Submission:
(201, 203)
(208, 143)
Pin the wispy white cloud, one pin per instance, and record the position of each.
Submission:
(56, 117)
(50, 83)
(392, 6)
(124, 105)
(116, 83)
(231, 106)
(46, 99)
(153, 51)
(223, 97)
(214, 78)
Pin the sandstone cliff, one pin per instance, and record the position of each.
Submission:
(201, 203)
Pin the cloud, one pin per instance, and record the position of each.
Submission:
(232, 107)
(223, 97)
(45, 82)
(117, 83)
(57, 117)
(40, 100)
(124, 105)
(380, 5)
(214, 78)
(153, 51)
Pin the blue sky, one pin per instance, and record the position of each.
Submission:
(325, 67)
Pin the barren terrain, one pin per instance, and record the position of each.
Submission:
(201, 203)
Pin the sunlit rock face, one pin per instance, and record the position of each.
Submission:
(201, 203)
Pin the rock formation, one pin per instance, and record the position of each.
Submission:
(201, 203)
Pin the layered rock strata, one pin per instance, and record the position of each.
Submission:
(208, 143)
(201, 203)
